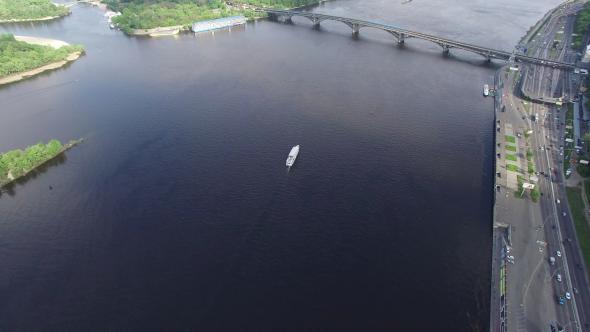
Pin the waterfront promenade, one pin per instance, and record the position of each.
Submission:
(527, 137)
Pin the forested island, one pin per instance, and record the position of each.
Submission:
(144, 14)
(19, 59)
(18, 163)
(30, 10)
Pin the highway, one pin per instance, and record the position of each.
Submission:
(548, 135)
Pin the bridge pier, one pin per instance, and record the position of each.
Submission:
(280, 18)
(446, 49)
(315, 21)
(355, 29)
(401, 38)
(401, 35)
(287, 19)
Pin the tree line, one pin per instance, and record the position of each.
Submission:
(17, 56)
(30, 9)
(16, 163)
(148, 14)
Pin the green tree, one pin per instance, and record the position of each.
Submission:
(30, 9)
(17, 56)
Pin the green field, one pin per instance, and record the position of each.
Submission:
(513, 168)
(510, 139)
(511, 148)
(582, 229)
(511, 157)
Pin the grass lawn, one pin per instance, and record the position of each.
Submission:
(511, 148)
(510, 157)
(512, 168)
(582, 229)
(529, 155)
(510, 139)
(531, 167)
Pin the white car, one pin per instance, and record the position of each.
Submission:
(568, 295)
(558, 253)
(558, 277)
(564, 214)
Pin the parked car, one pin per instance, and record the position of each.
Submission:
(558, 277)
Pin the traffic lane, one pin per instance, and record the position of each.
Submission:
(579, 280)
(577, 274)
(554, 238)
(573, 255)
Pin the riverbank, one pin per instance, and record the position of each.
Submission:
(37, 71)
(44, 42)
(31, 11)
(47, 18)
(17, 164)
(155, 19)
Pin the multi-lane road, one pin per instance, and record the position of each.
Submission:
(554, 230)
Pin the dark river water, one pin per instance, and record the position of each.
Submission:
(177, 212)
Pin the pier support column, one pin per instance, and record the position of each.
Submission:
(284, 19)
(401, 38)
(316, 22)
(355, 29)
(445, 48)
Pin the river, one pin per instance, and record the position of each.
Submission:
(177, 212)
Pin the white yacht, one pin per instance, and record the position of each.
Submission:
(292, 156)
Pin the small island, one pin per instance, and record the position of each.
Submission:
(30, 10)
(142, 17)
(18, 163)
(22, 57)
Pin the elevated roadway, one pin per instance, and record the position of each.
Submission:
(402, 34)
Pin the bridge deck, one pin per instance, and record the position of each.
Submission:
(402, 34)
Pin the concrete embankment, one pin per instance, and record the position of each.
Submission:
(51, 66)
(159, 31)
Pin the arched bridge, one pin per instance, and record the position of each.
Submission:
(402, 34)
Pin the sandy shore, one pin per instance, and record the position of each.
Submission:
(42, 41)
(51, 66)
(46, 18)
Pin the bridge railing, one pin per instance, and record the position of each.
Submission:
(445, 42)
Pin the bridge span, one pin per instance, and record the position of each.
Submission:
(402, 34)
